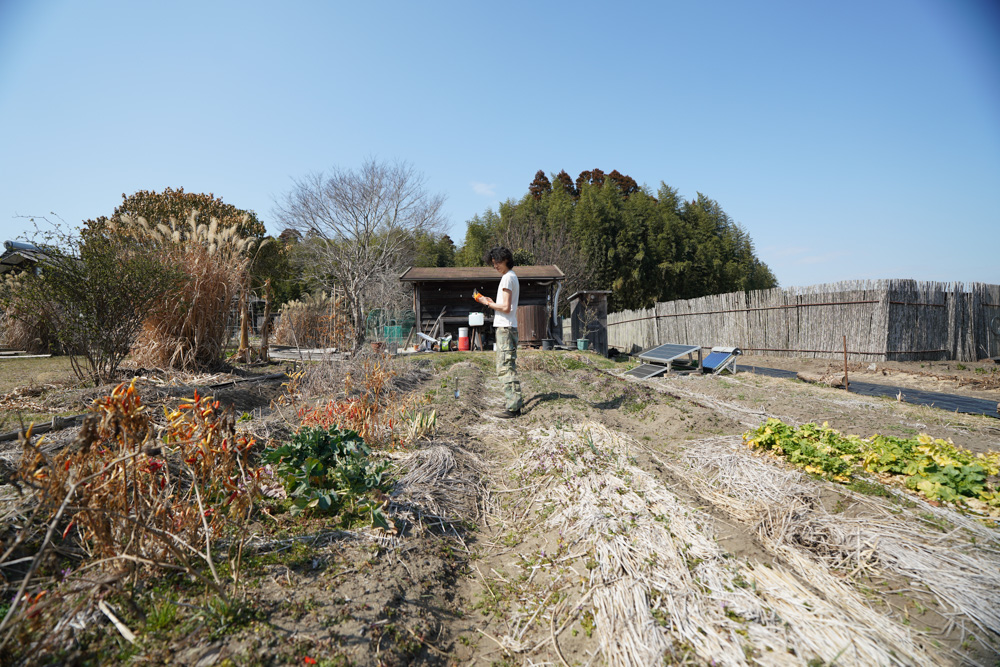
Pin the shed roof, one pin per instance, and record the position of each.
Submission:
(576, 295)
(18, 255)
(418, 274)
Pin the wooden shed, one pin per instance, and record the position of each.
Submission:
(446, 293)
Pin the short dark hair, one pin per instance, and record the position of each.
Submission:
(499, 254)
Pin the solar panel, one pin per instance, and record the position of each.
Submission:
(666, 353)
(646, 371)
(715, 359)
(720, 358)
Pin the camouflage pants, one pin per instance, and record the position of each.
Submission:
(506, 357)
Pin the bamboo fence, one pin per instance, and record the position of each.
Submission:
(883, 320)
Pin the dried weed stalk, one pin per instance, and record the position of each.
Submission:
(370, 405)
(23, 328)
(125, 494)
(318, 320)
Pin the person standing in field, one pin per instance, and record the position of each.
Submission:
(505, 324)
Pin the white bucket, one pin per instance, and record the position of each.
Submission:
(463, 332)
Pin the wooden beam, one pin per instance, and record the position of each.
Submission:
(416, 306)
(437, 322)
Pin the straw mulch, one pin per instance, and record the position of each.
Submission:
(442, 485)
(960, 567)
(663, 588)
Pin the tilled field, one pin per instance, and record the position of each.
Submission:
(615, 522)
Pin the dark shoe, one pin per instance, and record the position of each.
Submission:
(507, 414)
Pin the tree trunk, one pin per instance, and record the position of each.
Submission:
(243, 354)
(265, 331)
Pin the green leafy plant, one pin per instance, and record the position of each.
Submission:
(817, 449)
(332, 470)
(937, 469)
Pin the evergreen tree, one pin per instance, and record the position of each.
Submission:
(481, 234)
(607, 232)
(540, 186)
(564, 183)
(626, 184)
(433, 250)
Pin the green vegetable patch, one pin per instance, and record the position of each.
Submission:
(332, 471)
(936, 469)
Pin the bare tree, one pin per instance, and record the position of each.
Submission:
(356, 226)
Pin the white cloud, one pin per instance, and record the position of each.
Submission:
(484, 189)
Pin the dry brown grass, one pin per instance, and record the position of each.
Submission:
(318, 320)
(192, 330)
(22, 328)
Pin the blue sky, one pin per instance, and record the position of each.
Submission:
(851, 139)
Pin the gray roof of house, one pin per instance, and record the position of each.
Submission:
(17, 255)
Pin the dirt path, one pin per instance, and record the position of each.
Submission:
(978, 380)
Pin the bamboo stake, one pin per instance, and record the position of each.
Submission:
(847, 383)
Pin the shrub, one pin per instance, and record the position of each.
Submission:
(127, 496)
(94, 291)
(136, 493)
(371, 404)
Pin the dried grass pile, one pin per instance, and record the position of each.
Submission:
(442, 484)
(318, 320)
(662, 589)
(960, 567)
(192, 329)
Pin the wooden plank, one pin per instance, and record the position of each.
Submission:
(437, 323)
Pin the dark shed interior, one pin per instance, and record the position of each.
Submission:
(448, 290)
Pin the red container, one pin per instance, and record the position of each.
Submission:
(463, 343)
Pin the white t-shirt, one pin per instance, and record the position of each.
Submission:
(507, 281)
